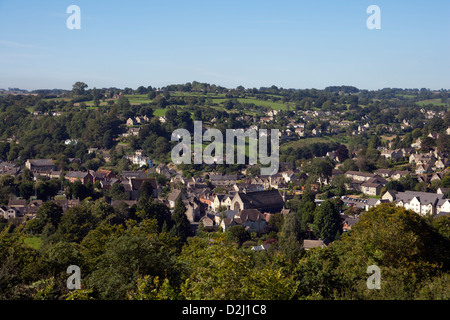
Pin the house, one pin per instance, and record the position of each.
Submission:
(102, 175)
(367, 183)
(371, 188)
(208, 222)
(442, 163)
(417, 144)
(274, 181)
(316, 132)
(55, 174)
(300, 131)
(178, 178)
(134, 131)
(84, 177)
(131, 122)
(398, 174)
(247, 187)
(140, 159)
(370, 203)
(393, 155)
(262, 247)
(385, 173)
(227, 214)
(359, 176)
(423, 169)
(223, 180)
(443, 207)
(288, 176)
(421, 202)
(206, 197)
(163, 169)
(173, 197)
(422, 158)
(107, 184)
(310, 244)
(40, 165)
(265, 201)
(442, 190)
(10, 213)
(437, 176)
(389, 195)
(348, 222)
(133, 186)
(251, 219)
(9, 168)
(192, 210)
(17, 203)
(223, 200)
(142, 120)
(134, 174)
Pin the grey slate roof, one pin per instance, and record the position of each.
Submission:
(425, 198)
(263, 200)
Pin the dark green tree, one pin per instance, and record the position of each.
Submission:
(342, 153)
(327, 221)
(290, 237)
(238, 234)
(26, 189)
(108, 141)
(117, 192)
(182, 226)
(75, 224)
(147, 209)
(50, 212)
(79, 88)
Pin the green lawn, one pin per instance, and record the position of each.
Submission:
(270, 104)
(159, 112)
(407, 96)
(138, 98)
(33, 242)
(435, 102)
(306, 141)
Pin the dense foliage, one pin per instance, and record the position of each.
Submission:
(123, 255)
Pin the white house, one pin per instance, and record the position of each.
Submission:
(421, 202)
(139, 159)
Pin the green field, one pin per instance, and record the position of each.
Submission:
(216, 98)
(435, 102)
(407, 96)
(305, 142)
(33, 242)
(159, 112)
(261, 103)
(138, 98)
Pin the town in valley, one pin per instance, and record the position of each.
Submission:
(87, 174)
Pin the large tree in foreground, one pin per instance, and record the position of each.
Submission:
(413, 257)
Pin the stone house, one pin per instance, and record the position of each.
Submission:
(265, 201)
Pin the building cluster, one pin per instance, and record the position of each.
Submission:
(226, 200)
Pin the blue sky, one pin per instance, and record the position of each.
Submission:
(291, 44)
